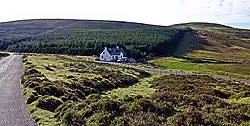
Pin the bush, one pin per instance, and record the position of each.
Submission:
(48, 103)
(199, 94)
(72, 119)
(192, 118)
(33, 97)
(139, 119)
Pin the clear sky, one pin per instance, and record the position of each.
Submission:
(160, 12)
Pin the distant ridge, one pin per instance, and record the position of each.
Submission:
(88, 23)
(78, 20)
(201, 24)
(46, 26)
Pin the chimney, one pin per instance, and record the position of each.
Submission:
(105, 48)
(117, 47)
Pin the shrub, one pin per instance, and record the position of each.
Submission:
(72, 119)
(139, 119)
(192, 118)
(48, 103)
(33, 97)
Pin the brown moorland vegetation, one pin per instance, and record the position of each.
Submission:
(53, 81)
(80, 99)
(203, 100)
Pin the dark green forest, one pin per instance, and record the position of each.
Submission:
(136, 42)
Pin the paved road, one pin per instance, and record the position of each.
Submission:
(154, 70)
(13, 111)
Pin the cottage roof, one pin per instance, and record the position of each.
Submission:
(115, 51)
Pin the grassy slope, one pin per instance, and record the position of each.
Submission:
(53, 81)
(239, 71)
(201, 25)
(213, 44)
(218, 42)
(54, 98)
(142, 88)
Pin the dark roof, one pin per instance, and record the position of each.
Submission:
(115, 51)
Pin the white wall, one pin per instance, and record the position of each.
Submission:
(122, 55)
(105, 56)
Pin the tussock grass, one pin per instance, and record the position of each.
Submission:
(95, 94)
(54, 85)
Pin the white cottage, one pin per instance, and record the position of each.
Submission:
(112, 54)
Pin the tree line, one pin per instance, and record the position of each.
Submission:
(135, 42)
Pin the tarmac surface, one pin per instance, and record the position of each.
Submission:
(13, 110)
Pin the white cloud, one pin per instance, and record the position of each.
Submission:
(162, 12)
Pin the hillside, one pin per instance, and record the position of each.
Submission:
(70, 91)
(45, 26)
(87, 37)
(201, 25)
(215, 50)
(215, 42)
(136, 42)
(23, 30)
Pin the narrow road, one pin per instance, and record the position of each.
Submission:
(13, 110)
(154, 70)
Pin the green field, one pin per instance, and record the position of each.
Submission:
(230, 56)
(239, 71)
(142, 88)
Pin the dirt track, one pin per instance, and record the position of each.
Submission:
(13, 111)
(166, 71)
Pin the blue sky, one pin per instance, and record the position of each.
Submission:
(235, 13)
(245, 25)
